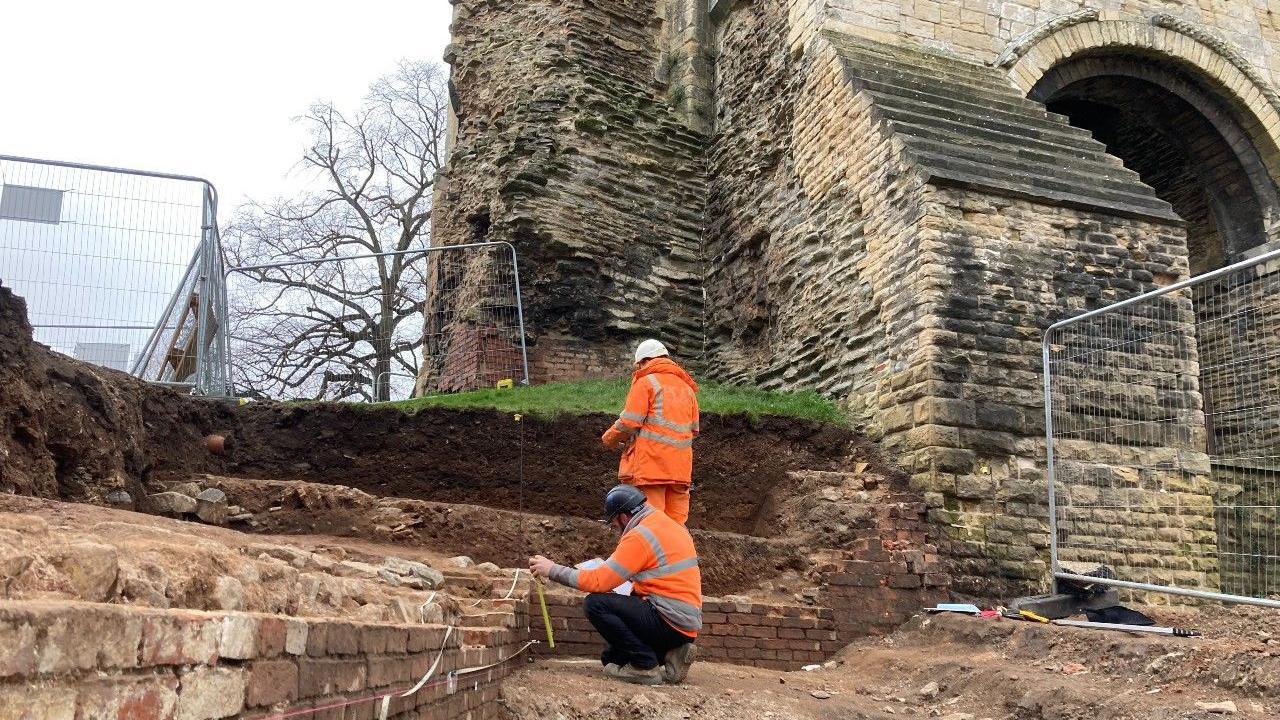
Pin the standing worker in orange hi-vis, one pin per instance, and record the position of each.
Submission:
(657, 428)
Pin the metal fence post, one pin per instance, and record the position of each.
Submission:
(202, 295)
(1052, 495)
(524, 352)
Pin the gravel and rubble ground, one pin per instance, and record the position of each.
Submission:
(51, 550)
(957, 668)
(948, 666)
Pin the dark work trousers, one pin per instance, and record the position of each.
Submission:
(634, 630)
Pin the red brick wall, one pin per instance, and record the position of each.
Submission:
(869, 588)
(61, 659)
(783, 637)
(881, 581)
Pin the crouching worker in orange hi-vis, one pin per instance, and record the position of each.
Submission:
(649, 633)
(657, 428)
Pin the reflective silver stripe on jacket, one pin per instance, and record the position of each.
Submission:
(652, 539)
(633, 417)
(673, 442)
(659, 417)
(564, 575)
(663, 570)
(617, 567)
(678, 612)
(645, 511)
(625, 429)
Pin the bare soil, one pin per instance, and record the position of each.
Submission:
(732, 563)
(478, 456)
(73, 431)
(995, 669)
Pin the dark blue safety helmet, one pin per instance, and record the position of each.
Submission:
(622, 499)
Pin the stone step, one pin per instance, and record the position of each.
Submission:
(947, 173)
(957, 111)
(953, 69)
(1055, 180)
(931, 89)
(971, 133)
(1053, 135)
(1089, 171)
(924, 73)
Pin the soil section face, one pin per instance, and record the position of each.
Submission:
(538, 464)
(73, 431)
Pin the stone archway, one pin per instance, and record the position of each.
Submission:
(1182, 139)
(1188, 66)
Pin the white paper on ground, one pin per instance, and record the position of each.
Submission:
(623, 589)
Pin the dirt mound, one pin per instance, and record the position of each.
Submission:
(76, 431)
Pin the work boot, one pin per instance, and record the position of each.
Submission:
(611, 670)
(632, 674)
(675, 666)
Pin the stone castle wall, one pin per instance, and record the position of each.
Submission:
(784, 196)
(565, 146)
(809, 219)
(980, 31)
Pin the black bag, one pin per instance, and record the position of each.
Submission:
(1118, 615)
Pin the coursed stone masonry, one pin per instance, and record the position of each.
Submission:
(854, 197)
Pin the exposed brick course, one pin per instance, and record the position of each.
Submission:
(179, 665)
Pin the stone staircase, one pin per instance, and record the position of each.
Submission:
(966, 124)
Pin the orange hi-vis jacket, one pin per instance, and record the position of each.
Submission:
(661, 419)
(657, 555)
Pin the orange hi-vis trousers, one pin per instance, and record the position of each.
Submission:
(669, 498)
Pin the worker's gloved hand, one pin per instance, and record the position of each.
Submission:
(540, 566)
(615, 444)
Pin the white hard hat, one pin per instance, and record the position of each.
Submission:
(650, 349)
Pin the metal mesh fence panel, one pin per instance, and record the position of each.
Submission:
(1164, 437)
(336, 329)
(103, 256)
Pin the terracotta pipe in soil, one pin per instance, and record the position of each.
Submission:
(217, 444)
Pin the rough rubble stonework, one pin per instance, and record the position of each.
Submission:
(869, 198)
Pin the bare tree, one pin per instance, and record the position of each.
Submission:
(343, 329)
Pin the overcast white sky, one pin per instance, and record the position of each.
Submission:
(206, 89)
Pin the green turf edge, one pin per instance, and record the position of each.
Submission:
(607, 396)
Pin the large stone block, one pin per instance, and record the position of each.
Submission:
(179, 638)
(271, 682)
(238, 637)
(38, 701)
(91, 568)
(209, 693)
(152, 697)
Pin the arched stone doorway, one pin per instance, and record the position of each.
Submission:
(1181, 138)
